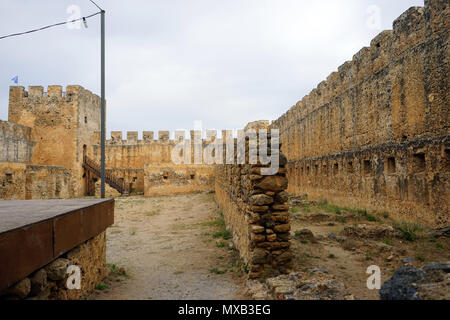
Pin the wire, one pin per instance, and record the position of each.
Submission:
(50, 26)
(96, 5)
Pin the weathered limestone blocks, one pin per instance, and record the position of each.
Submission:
(316, 284)
(254, 207)
(375, 134)
(129, 158)
(168, 179)
(57, 269)
(394, 62)
(39, 282)
(148, 138)
(20, 181)
(20, 290)
(63, 126)
(50, 282)
(272, 183)
(408, 180)
(15, 142)
(12, 180)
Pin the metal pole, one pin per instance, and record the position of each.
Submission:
(103, 115)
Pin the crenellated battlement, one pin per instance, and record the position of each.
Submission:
(393, 93)
(62, 122)
(41, 104)
(148, 137)
(72, 92)
(414, 27)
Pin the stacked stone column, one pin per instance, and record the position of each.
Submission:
(255, 209)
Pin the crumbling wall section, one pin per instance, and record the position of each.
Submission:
(169, 179)
(255, 209)
(47, 182)
(12, 180)
(15, 142)
(20, 181)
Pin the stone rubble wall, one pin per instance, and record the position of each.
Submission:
(20, 181)
(169, 179)
(49, 282)
(15, 143)
(375, 134)
(256, 211)
(47, 182)
(135, 153)
(141, 163)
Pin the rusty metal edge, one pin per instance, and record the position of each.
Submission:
(57, 216)
(52, 220)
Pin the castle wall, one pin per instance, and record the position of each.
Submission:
(15, 142)
(255, 209)
(169, 179)
(12, 180)
(142, 163)
(375, 134)
(61, 125)
(133, 180)
(20, 181)
(47, 182)
(134, 153)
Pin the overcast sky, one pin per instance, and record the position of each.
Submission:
(171, 62)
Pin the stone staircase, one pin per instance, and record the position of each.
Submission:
(110, 178)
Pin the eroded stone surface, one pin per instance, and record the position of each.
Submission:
(341, 146)
(410, 283)
(315, 285)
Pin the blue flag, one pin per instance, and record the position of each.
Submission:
(15, 79)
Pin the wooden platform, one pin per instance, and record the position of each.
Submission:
(35, 232)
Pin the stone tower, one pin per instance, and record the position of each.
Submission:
(63, 125)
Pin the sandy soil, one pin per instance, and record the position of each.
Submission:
(349, 260)
(167, 249)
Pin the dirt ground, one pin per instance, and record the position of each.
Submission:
(348, 257)
(169, 248)
(177, 247)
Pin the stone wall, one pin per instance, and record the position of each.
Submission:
(375, 134)
(62, 126)
(134, 153)
(169, 179)
(15, 142)
(20, 181)
(142, 164)
(47, 182)
(12, 180)
(133, 178)
(255, 210)
(50, 282)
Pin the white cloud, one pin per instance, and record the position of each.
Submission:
(172, 62)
